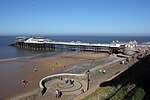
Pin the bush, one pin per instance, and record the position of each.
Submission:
(138, 94)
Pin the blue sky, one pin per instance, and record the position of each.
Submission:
(75, 17)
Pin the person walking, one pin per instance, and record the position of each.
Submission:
(100, 71)
(66, 80)
(60, 78)
(104, 71)
(57, 93)
(71, 81)
(82, 90)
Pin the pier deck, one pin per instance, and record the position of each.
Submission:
(46, 44)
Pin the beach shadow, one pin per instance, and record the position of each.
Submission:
(138, 74)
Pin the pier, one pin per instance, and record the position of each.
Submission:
(46, 44)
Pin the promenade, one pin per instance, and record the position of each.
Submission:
(111, 65)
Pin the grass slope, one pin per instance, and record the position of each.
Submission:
(133, 84)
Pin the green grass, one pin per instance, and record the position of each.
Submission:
(128, 91)
(121, 92)
(138, 94)
(101, 93)
(117, 93)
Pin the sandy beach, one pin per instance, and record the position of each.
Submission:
(12, 72)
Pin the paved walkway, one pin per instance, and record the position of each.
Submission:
(68, 88)
(111, 72)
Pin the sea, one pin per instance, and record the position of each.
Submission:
(8, 52)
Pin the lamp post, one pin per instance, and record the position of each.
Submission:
(133, 58)
(88, 80)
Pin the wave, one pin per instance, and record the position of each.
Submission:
(16, 58)
(9, 59)
(33, 56)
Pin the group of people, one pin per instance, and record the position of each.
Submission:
(25, 82)
(102, 71)
(71, 81)
(58, 94)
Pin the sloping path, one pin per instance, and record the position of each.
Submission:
(112, 72)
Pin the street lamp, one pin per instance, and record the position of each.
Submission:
(133, 58)
(88, 80)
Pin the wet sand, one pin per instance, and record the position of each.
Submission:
(12, 72)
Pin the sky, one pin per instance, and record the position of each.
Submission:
(75, 17)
